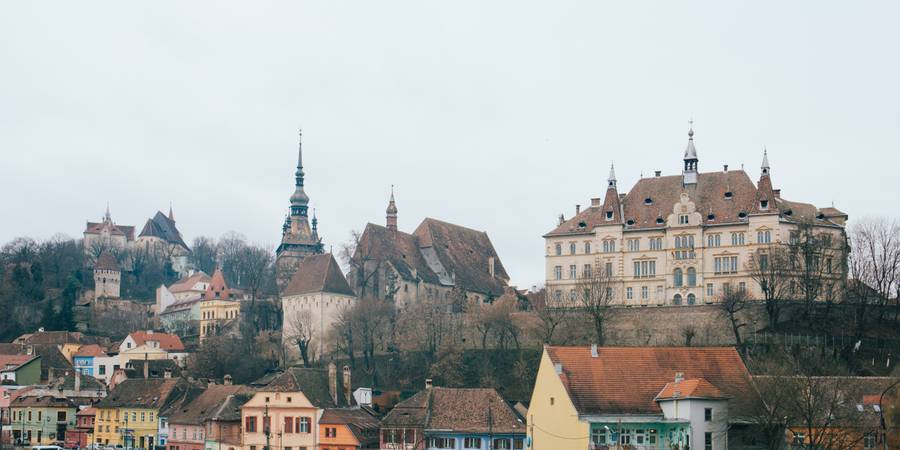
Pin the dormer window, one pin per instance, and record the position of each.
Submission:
(660, 221)
(729, 194)
(648, 201)
(609, 215)
(629, 222)
(763, 204)
(820, 216)
(788, 212)
(582, 224)
(711, 216)
(683, 219)
(742, 215)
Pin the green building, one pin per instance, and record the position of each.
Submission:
(21, 370)
(41, 420)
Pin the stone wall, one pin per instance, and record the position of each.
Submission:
(667, 325)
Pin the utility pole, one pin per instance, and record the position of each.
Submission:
(266, 425)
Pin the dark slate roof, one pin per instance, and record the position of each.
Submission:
(155, 393)
(399, 249)
(60, 338)
(460, 410)
(312, 382)
(204, 406)
(88, 383)
(164, 228)
(230, 409)
(318, 273)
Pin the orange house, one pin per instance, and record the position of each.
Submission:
(348, 428)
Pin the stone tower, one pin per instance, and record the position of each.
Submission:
(298, 239)
(107, 277)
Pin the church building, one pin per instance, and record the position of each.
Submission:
(298, 239)
(681, 239)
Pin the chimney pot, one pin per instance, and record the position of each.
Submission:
(595, 201)
(725, 167)
(658, 173)
(428, 383)
(577, 209)
(167, 373)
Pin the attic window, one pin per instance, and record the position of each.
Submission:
(648, 201)
(764, 204)
(711, 217)
(609, 215)
(630, 222)
(582, 224)
(729, 194)
(788, 212)
(660, 220)
(820, 216)
(742, 215)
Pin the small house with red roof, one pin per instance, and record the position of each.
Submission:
(151, 345)
(642, 397)
(218, 307)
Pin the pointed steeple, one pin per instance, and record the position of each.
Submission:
(299, 173)
(612, 176)
(315, 226)
(171, 214)
(299, 200)
(765, 163)
(391, 218)
(689, 174)
(107, 217)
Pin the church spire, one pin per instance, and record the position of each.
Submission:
(765, 162)
(171, 214)
(107, 217)
(612, 176)
(391, 221)
(299, 200)
(299, 173)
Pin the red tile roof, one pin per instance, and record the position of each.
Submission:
(318, 273)
(626, 380)
(166, 341)
(8, 362)
(217, 289)
(123, 230)
(187, 284)
(90, 350)
(476, 410)
(696, 388)
(106, 261)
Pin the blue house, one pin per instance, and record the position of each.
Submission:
(440, 418)
(83, 359)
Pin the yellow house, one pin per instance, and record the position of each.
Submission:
(552, 417)
(129, 415)
(218, 306)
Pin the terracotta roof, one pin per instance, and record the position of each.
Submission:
(626, 380)
(87, 412)
(217, 289)
(12, 362)
(187, 284)
(153, 393)
(166, 341)
(202, 407)
(456, 409)
(106, 261)
(162, 227)
(695, 388)
(90, 350)
(230, 410)
(60, 338)
(312, 382)
(318, 273)
(43, 401)
(720, 197)
(122, 230)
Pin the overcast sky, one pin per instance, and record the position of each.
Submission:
(493, 115)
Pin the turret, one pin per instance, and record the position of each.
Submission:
(689, 174)
(391, 217)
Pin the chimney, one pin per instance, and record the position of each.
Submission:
(777, 193)
(491, 266)
(562, 218)
(595, 202)
(594, 351)
(658, 173)
(679, 377)
(29, 350)
(77, 380)
(348, 390)
(226, 380)
(167, 373)
(332, 381)
(577, 209)
(725, 167)
(428, 383)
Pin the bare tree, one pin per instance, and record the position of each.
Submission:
(816, 264)
(770, 268)
(364, 268)
(874, 264)
(732, 304)
(299, 331)
(595, 292)
(204, 254)
(550, 321)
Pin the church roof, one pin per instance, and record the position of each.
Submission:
(318, 273)
(399, 249)
(163, 227)
(121, 230)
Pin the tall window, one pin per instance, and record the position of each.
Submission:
(677, 299)
(303, 424)
(679, 281)
(634, 245)
(629, 293)
(692, 299)
(707, 444)
(558, 272)
(714, 240)
(764, 237)
(609, 246)
(710, 290)
(645, 292)
(725, 264)
(737, 238)
(609, 269)
(683, 219)
(692, 276)
(587, 271)
(558, 249)
(656, 243)
(645, 269)
(587, 248)
(573, 271)
(572, 248)
(249, 424)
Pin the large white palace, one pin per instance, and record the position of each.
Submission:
(678, 240)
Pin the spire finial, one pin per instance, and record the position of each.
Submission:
(171, 214)
(107, 216)
(765, 162)
(299, 173)
(612, 175)
(691, 129)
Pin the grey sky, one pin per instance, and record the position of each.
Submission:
(493, 115)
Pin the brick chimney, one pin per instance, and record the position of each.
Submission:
(332, 381)
(577, 209)
(428, 383)
(348, 390)
(595, 202)
(146, 367)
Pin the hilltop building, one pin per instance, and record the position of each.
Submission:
(298, 239)
(311, 303)
(681, 239)
(106, 235)
(107, 276)
(160, 235)
(178, 305)
(438, 259)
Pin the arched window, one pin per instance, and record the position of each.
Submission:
(677, 299)
(679, 281)
(692, 276)
(692, 299)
